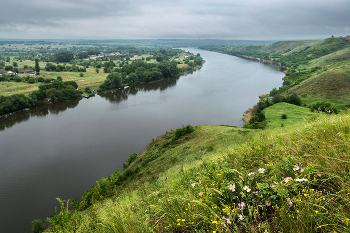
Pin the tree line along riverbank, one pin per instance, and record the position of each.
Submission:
(50, 90)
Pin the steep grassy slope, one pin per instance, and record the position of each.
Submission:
(218, 178)
(332, 84)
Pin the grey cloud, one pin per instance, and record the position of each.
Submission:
(227, 19)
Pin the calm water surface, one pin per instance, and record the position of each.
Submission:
(61, 150)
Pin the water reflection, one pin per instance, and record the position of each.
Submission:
(11, 119)
(120, 95)
(116, 96)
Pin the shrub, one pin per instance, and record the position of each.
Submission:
(293, 99)
(284, 116)
(182, 132)
(324, 107)
(37, 226)
(277, 99)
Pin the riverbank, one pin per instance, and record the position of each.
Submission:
(284, 68)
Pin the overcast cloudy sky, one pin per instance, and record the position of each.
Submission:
(152, 19)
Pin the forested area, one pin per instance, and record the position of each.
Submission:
(56, 91)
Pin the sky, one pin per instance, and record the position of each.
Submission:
(180, 19)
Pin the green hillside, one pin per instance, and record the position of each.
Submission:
(290, 179)
(292, 176)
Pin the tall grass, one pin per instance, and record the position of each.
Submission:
(300, 184)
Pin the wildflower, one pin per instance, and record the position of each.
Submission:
(200, 194)
(240, 177)
(246, 188)
(240, 217)
(241, 206)
(232, 187)
(261, 170)
(287, 179)
(268, 204)
(275, 182)
(214, 222)
(289, 201)
(319, 175)
(227, 220)
(301, 180)
(255, 192)
(296, 168)
(250, 174)
(193, 184)
(316, 211)
(302, 170)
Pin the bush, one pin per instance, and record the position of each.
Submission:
(182, 132)
(37, 226)
(277, 99)
(324, 107)
(293, 99)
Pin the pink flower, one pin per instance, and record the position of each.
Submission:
(319, 175)
(240, 217)
(232, 187)
(296, 168)
(275, 182)
(240, 177)
(261, 170)
(193, 184)
(241, 206)
(200, 194)
(250, 174)
(289, 201)
(287, 179)
(255, 192)
(227, 220)
(268, 204)
(302, 170)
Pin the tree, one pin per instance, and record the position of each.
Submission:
(113, 80)
(65, 56)
(37, 67)
(97, 70)
(15, 64)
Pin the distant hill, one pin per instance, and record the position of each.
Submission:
(317, 68)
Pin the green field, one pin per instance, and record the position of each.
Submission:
(295, 114)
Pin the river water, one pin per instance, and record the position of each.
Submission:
(61, 150)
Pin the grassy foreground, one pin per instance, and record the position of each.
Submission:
(228, 179)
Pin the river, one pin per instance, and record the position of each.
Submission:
(61, 150)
